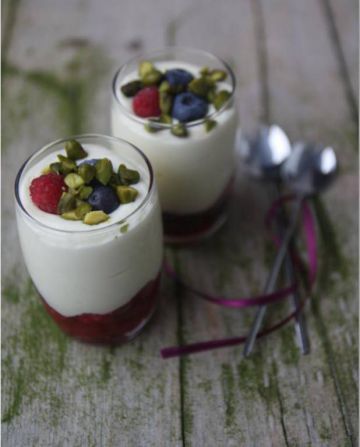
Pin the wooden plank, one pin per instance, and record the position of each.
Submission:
(278, 397)
(58, 392)
(343, 26)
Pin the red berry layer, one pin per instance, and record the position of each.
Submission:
(115, 327)
(191, 226)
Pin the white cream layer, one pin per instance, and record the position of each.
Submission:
(192, 172)
(91, 269)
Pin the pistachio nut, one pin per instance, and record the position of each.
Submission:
(104, 170)
(126, 194)
(221, 98)
(131, 88)
(95, 217)
(179, 130)
(74, 150)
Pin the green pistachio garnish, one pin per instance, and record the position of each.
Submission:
(166, 119)
(74, 181)
(78, 213)
(152, 78)
(204, 71)
(199, 86)
(66, 203)
(115, 180)
(210, 124)
(46, 170)
(66, 165)
(104, 170)
(87, 172)
(55, 167)
(164, 87)
(84, 192)
(221, 98)
(211, 95)
(179, 130)
(70, 215)
(165, 103)
(145, 67)
(128, 176)
(131, 88)
(217, 75)
(82, 208)
(126, 194)
(74, 150)
(95, 217)
(124, 228)
(151, 127)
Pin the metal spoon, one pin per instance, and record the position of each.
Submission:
(308, 170)
(264, 156)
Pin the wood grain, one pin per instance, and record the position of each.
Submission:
(58, 62)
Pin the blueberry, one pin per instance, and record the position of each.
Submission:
(178, 76)
(91, 161)
(189, 107)
(103, 198)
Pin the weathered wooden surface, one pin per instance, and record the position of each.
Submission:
(296, 64)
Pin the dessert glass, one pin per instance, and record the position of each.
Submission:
(194, 174)
(98, 284)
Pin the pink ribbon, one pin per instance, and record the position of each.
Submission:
(261, 300)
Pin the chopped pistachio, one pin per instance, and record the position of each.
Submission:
(55, 167)
(74, 150)
(95, 217)
(126, 194)
(210, 124)
(218, 75)
(66, 165)
(128, 176)
(211, 95)
(70, 215)
(145, 67)
(66, 203)
(115, 180)
(166, 119)
(82, 209)
(124, 228)
(84, 192)
(104, 170)
(164, 87)
(199, 86)
(87, 172)
(151, 127)
(74, 181)
(46, 170)
(152, 78)
(205, 71)
(179, 130)
(221, 98)
(165, 102)
(131, 88)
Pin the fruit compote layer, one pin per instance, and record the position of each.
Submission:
(189, 227)
(115, 327)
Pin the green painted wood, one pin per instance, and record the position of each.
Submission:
(60, 58)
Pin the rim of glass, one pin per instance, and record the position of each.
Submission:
(155, 53)
(79, 137)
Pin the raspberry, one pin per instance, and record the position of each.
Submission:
(46, 190)
(146, 102)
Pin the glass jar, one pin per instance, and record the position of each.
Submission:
(194, 174)
(99, 283)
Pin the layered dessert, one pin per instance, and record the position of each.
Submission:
(177, 105)
(90, 229)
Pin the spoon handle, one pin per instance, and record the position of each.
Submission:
(300, 322)
(271, 281)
